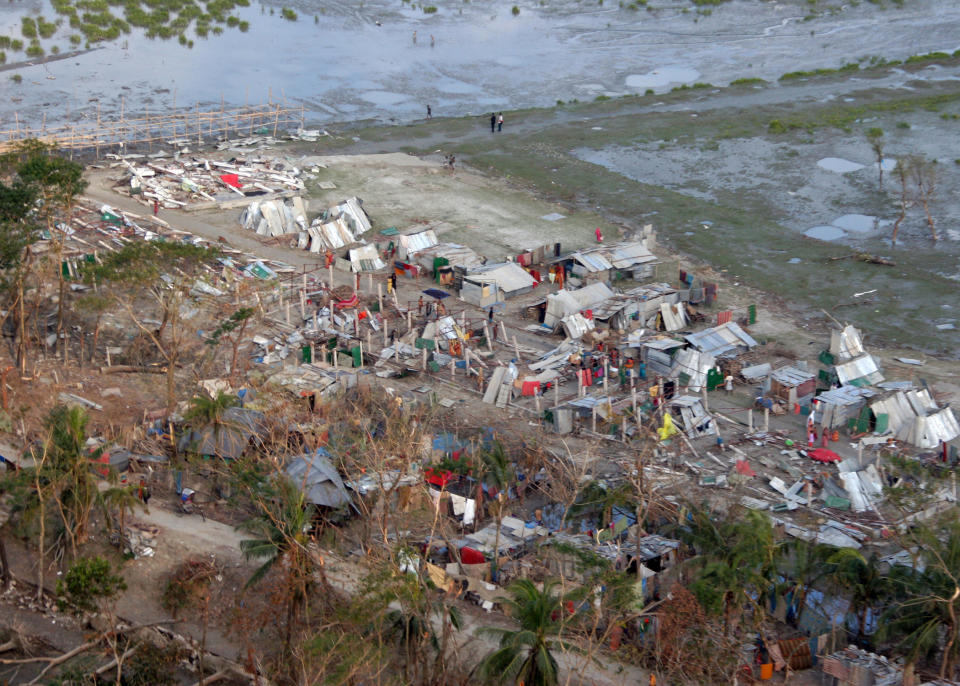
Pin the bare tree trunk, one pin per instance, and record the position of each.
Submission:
(4, 567)
(926, 209)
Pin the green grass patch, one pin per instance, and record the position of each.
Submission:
(754, 81)
(288, 14)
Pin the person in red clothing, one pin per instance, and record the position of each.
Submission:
(599, 235)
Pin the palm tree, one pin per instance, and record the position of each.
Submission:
(596, 495)
(283, 530)
(120, 499)
(926, 614)
(525, 655)
(497, 472)
(804, 563)
(64, 468)
(862, 579)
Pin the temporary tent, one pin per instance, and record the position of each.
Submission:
(318, 479)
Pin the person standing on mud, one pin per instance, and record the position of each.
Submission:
(500, 122)
(429, 112)
(493, 122)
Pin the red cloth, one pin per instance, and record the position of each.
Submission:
(469, 556)
(586, 378)
(438, 479)
(743, 467)
(231, 180)
(724, 317)
(530, 387)
(824, 455)
(344, 304)
(588, 314)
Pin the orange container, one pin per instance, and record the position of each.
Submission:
(766, 671)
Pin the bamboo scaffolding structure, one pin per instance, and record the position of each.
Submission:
(104, 134)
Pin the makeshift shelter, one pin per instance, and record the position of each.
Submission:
(914, 417)
(275, 217)
(691, 369)
(483, 286)
(365, 259)
(228, 437)
(604, 263)
(351, 213)
(860, 371)
(658, 355)
(793, 385)
(565, 302)
(692, 417)
(839, 405)
(726, 340)
(410, 244)
(319, 480)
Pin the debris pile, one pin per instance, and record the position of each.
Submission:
(181, 182)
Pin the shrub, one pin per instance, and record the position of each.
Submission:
(429, 9)
(34, 50)
(88, 582)
(28, 27)
(288, 14)
(46, 28)
(244, 26)
(601, 98)
(754, 81)
(16, 78)
(903, 125)
(515, 10)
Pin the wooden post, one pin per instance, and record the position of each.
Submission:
(361, 353)
(536, 399)
(330, 272)
(486, 336)
(766, 419)
(503, 332)
(313, 353)
(579, 384)
(633, 399)
(380, 296)
(453, 367)
(703, 392)
(287, 312)
(409, 320)
(606, 374)
(384, 333)
(424, 362)
(516, 349)
(369, 347)
(370, 281)
(750, 420)
(593, 423)
(556, 394)
(336, 356)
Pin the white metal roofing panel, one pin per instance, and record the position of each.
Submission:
(864, 367)
(674, 316)
(662, 344)
(845, 395)
(591, 295)
(846, 344)
(756, 372)
(576, 325)
(415, 242)
(593, 261)
(509, 276)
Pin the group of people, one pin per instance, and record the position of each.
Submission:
(496, 122)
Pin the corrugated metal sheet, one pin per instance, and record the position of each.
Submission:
(594, 262)
(695, 365)
(756, 372)
(846, 344)
(509, 276)
(791, 376)
(628, 254)
(663, 344)
(845, 395)
(721, 339)
(415, 242)
(674, 316)
(863, 369)
(576, 325)
(914, 418)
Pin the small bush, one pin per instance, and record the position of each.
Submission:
(16, 78)
(28, 27)
(3, 57)
(903, 125)
(753, 81)
(46, 28)
(288, 14)
(429, 9)
(34, 50)
(649, 91)
(244, 26)
(601, 98)
(776, 126)
(515, 10)
(927, 57)
(87, 583)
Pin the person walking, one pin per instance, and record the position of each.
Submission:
(493, 122)
(429, 112)
(420, 305)
(728, 383)
(156, 207)
(500, 122)
(599, 235)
